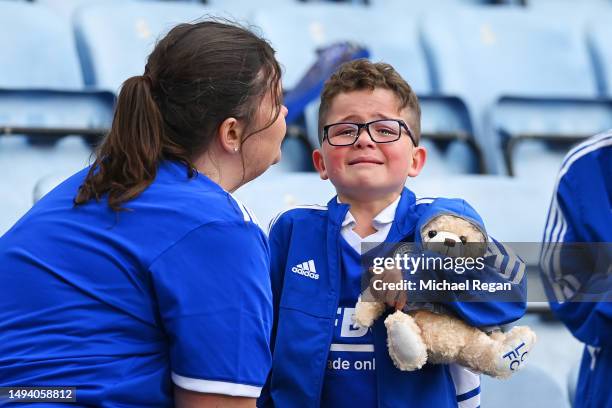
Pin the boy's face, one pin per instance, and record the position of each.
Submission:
(367, 170)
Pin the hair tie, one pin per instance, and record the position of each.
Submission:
(148, 80)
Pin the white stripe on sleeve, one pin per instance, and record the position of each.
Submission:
(216, 387)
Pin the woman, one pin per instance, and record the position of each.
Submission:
(142, 273)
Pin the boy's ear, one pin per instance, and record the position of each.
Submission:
(230, 134)
(319, 163)
(419, 156)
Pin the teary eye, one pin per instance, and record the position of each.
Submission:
(432, 233)
(463, 239)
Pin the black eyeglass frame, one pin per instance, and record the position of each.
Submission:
(366, 125)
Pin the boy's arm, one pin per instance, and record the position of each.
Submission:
(279, 241)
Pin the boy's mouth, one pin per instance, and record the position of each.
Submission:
(364, 160)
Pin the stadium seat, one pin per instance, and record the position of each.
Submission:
(114, 39)
(37, 49)
(428, 5)
(41, 86)
(507, 61)
(318, 25)
(244, 10)
(600, 41)
(315, 25)
(572, 382)
(497, 199)
(533, 387)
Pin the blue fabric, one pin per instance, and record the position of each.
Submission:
(581, 212)
(350, 374)
(112, 303)
(306, 310)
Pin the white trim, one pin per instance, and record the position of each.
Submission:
(216, 387)
(245, 212)
(424, 200)
(463, 379)
(556, 224)
(473, 402)
(352, 347)
(306, 206)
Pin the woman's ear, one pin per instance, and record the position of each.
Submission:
(419, 156)
(319, 163)
(230, 135)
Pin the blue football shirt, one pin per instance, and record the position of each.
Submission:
(122, 304)
(350, 375)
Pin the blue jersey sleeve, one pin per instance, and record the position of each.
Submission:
(215, 303)
(502, 265)
(578, 214)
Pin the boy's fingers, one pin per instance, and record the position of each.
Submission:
(399, 305)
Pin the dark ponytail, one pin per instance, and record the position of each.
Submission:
(197, 76)
(127, 160)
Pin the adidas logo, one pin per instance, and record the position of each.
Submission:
(307, 269)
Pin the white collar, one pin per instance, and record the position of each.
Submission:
(383, 218)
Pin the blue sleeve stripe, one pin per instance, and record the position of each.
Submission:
(556, 229)
(216, 387)
(469, 394)
(518, 271)
(510, 265)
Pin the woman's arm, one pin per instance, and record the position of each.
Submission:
(189, 399)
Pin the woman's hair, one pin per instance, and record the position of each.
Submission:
(197, 76)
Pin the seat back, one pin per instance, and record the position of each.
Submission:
(115, 39)
(38, 49)
(394, 40)
(486, 53)
(600, 41)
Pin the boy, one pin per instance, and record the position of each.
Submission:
(369, 133)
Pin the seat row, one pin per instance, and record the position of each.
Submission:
(490, 78)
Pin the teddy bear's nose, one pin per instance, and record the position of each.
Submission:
(449, 242)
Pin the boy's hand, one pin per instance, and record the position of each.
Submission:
(385, 288)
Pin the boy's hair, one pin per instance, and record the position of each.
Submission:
(363, 74)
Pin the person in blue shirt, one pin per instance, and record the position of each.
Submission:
(580, 287)
(369, 124)
(141, 281)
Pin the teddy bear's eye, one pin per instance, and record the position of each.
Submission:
(463, 239)
(432, 233)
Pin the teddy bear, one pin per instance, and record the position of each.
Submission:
(427, 333)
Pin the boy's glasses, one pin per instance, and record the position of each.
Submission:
(380, 131)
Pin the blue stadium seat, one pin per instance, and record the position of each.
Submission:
(37, 49)
(572, 382)
(533, 387)
(316, 25)
(396, 41)
(497, 199)
(67, 8)
(244, 10)
(499, 58)
(114, 39)
(40, 79)
(600, 41)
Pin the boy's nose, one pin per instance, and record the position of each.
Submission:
(364, 139)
